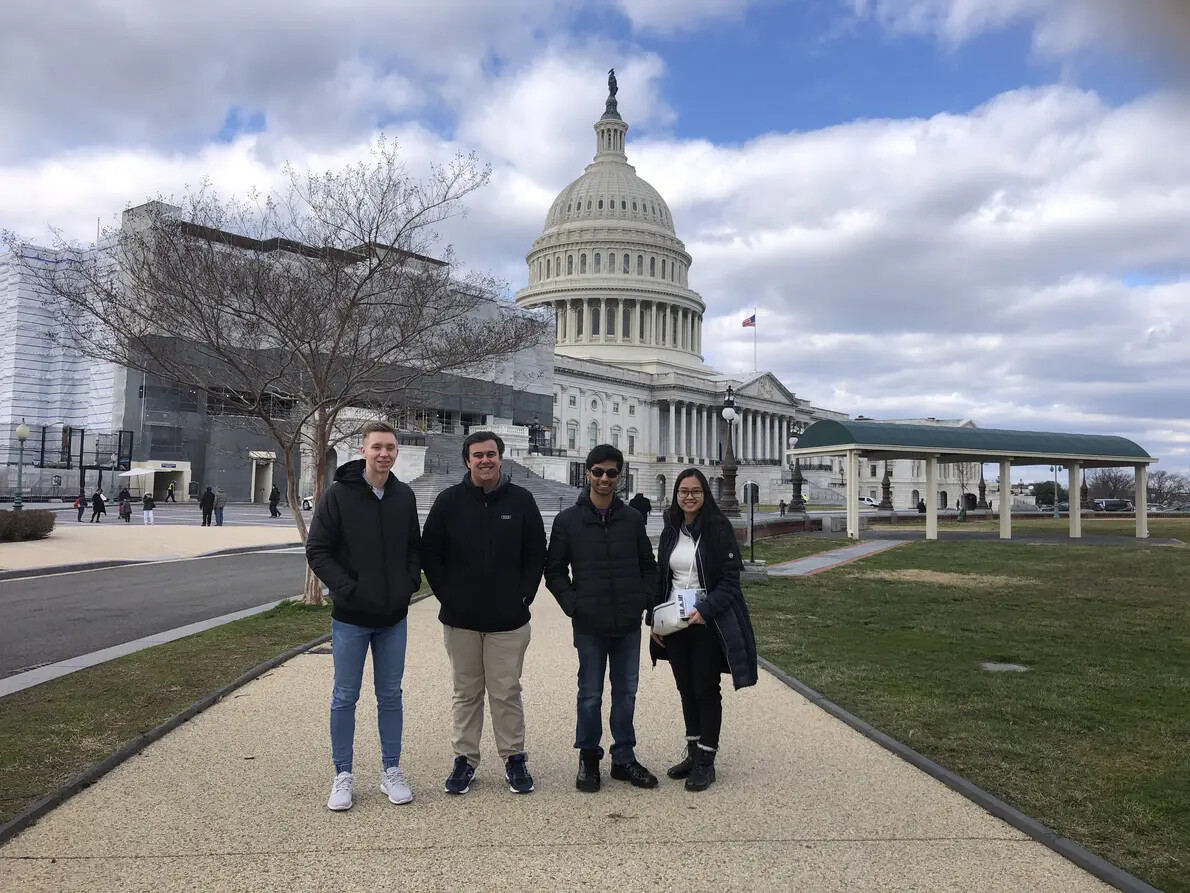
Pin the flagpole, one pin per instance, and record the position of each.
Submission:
(756, 365)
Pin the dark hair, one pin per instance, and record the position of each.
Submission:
(377, 427)
(479, 437)
(674, 513)
(605, 452)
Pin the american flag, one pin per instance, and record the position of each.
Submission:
(750, 322)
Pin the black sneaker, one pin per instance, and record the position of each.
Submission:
(516, 773)
(588, 779)
(459, 780)
(702, 776)
(634, 772)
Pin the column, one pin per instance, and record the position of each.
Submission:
(571, 323)
(603, 319)
(655, 421)
(1140, 499)
(768, 435)
(653, 339)
(709, 426)
(1076, 514)
(931, 497)
(680, 449)
(1005, 499)
(669, 453)
(698, 333)
(852, 494)
(686, 329)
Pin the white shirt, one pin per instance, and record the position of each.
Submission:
(684, 562)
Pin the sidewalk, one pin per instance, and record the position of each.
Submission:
(73, 543)
(235, 800)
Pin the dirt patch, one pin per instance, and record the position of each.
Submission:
(944, 578)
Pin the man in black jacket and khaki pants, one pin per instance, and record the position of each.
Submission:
(365, 545)
(600, 567)
(483, 549)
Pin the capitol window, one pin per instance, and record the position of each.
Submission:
(640, 265)
(611, 321)
(588, 204)
(632, 409)
(625, 263)
(597, 264)
(653, 266)
(594, 404)
(582, 262)
(663, 268)
(547, 269)
(634, 204)
(593, 435)
(611, 262)
(615, 407)
(601, 204)
(573, 400)
(623, 205)
(569, 264)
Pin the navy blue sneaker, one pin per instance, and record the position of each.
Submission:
(516, 773)
(459, 780)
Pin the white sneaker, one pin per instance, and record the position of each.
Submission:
(341, 792)
(393, 783)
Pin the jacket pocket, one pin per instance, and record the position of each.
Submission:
(569, 601)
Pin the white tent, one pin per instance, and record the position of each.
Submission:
(136, 472)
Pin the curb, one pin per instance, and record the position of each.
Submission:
(1068, 849)
(83, 780)
(132, 562)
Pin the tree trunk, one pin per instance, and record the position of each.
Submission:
(312, 594)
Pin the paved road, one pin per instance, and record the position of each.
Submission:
(179, 513)
(53, 618)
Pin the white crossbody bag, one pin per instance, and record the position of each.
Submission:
(671, 616)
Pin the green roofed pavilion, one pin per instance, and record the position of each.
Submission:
(949, 443)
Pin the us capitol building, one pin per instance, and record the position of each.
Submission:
(629, 364)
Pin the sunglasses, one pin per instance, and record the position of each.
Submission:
(612, 473)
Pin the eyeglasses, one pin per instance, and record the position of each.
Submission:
(689, 494)
(612, 473)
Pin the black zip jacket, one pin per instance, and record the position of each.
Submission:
(483, 555)
(602, 573)
(366, 550)
(722, 607)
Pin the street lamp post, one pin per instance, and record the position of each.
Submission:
(730, 505)
(1055, 469)
(111, 484)
(797, 504)
(22, 435)
(535, 436)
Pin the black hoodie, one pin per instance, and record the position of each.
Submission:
(366, 550)
(484, 553)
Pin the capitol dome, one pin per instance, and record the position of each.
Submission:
(610, 264)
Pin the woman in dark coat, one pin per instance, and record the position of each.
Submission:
(97, 507)
(698, 550)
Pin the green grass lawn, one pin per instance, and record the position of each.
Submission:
(1094, 741)
(790, 547)
(1173, 528)
(56, 730)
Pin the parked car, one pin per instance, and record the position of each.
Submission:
(1112, 505)
(1156, 508)
(1185, 507)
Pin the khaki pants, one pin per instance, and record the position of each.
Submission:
(490, 662)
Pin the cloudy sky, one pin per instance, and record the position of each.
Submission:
(971, 208)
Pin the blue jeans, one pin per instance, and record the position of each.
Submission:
(350, 647)
(218, 517)
(619, 656)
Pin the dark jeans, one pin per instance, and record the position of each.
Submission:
(169, 497)
(619, 657)
(695, 658)
(206, 518)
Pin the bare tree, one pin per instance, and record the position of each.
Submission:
(965, 473)
(1111, 483)
(1166, 486)
(288, 308)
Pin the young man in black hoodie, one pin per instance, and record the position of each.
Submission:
(483, 549)
(365, 545)
(600, 567)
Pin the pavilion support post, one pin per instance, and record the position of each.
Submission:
(932, 498)
(1076, 513)
(852, 494)
(1006, 499)
(1141, 500)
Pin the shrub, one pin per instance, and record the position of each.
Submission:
(18, 526)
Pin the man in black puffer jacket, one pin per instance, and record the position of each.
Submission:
(365, 545)
(600, 567)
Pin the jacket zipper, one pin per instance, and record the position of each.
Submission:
(383, 553)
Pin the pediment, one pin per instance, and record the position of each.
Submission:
(766, 386)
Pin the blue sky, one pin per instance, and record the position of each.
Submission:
(909, 190)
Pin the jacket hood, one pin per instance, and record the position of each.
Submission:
(505, 480)
(584, 498)
(352, 474)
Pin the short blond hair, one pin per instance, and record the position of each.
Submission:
(377, 427)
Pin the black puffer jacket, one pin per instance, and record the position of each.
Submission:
(602, 573)
(483, 555)
(366, 550)
(723, 606)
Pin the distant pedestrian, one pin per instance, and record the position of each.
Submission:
(274, 498)
(365, 545)
(921, 506)
(207, 505)
(698, 553)
(147, 512)
(220, 504)
(169, 493)
(125, 508)
(781, 507)
(641, 503)
(97, 507)
(600, 567)
(81, 504)
(124, 494)
(483, 548)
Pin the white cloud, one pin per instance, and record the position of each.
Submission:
(669, 16)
